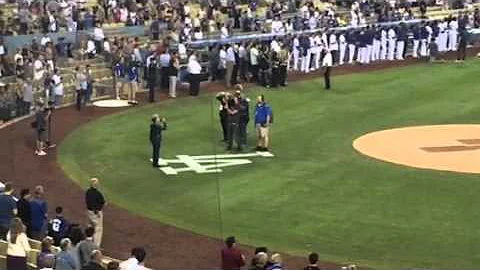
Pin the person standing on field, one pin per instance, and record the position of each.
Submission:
(95, 203)
(263, 119)
(156, 128)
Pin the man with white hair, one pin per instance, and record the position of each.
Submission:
(64, 259)
(95, 202)
(194, 69)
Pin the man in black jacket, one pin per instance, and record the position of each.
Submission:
(158, 125)
(95, 202)
(23, 207)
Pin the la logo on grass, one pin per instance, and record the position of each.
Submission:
(208, 163)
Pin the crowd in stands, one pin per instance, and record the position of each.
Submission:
(64, 245)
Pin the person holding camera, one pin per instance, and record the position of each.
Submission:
(157, 126)
(263, 119)
(233, 118)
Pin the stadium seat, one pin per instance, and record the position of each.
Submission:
(34, 244)
(32, 257)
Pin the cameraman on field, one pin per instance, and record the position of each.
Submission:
(233, 120)
(244, 115)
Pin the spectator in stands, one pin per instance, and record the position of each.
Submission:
(136, 260)
(259, 262)
(46, 254)
(58, 226)
(95, 262)
(276, 261)
(86, 246)
(64, 259)
(18, 246)
(39, 209)
(24, 212)
(312, 262)
(232, 258)
(113, 265)
(48, 264)
(95, 203)
(8, 209)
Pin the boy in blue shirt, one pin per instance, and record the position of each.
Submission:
(263, 119)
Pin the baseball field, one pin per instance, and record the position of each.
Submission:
(317, 192)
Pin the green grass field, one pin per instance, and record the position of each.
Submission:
(318, 193)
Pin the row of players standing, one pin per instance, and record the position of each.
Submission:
(374, 43)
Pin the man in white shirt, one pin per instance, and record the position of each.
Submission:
(383, 44)
(230, 62)
(274, 46)
(57, 88)
(392, 40)
(243, 59)
(327, 65)
(452, 35)
(99, 37)
(224, 32)
(343, 47)
(136, 260)
(91, 50)
(38, 73)
(194, 69)
(45, 39)
(296, 52)
(254, 61)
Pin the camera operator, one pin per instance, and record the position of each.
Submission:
(233, 109)
(244, 114)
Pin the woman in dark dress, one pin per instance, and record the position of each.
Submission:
(158, 125)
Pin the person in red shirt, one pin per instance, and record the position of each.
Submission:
(232, 258)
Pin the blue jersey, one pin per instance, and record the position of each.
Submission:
(262, 111)
(119, 70)
(133, 74)
(58, 228)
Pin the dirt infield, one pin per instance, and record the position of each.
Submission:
(441, 147)
(167, 246)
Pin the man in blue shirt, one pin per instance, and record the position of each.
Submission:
(263, 119)
(8, 209)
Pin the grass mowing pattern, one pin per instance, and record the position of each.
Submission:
(317, 193)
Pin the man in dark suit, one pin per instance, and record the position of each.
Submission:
(158, 125)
